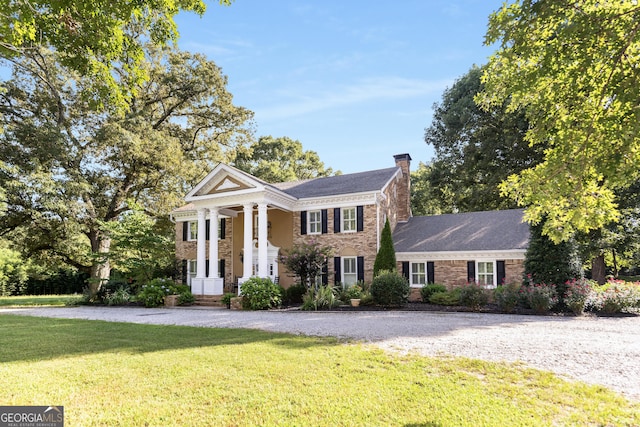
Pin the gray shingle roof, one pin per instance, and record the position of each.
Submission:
(472, 231)
(339, 184)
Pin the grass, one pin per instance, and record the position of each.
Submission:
(39, 300)
(133, 375)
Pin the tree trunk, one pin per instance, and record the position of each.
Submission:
(101, 268)
(598, 269)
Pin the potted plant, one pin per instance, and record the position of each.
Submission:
(354, 293)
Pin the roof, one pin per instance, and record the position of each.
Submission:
(472, 231)
(360, 182)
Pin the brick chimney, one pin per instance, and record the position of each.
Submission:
(403, 161)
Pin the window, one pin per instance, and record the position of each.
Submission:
(418, 273)
(349, 222)
(192, 233)
(486, 273)
(349, 271)
(192, 268)
(314, 222)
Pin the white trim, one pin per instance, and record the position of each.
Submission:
(341, 201)
(462, 255)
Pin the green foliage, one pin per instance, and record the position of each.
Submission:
(451, 297)
(323, 298)
(540, 297)
(507, 296)
(475, 150)
(576, 294)
(386, 256)
(549, 262)
(260, 294)
(280, 160)
(293, 294)
(473, 296)
(226, 298)
(571, 67)
(305, 260)
(352, 292)
(389, 288)
(431, 288)
(120, 296)
(13, 273)
(615, 296)
(152, 294)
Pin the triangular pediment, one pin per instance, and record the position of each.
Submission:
(224, 179)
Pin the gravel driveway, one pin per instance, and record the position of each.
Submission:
(596, 350)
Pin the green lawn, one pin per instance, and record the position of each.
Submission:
(39, 300)
(119, 374)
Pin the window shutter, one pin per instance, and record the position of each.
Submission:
(431, 272)
(405, 269)
(336, 220)
(303, 222)
(336, 268)
(207, 229)
(185, 231)
(360, 267)
(221, 269)
(471, 271)
(206, 263)
(325, 272)
(184, 272)
(324, 215)
(223, 223)
(360, 218)
(500, 267)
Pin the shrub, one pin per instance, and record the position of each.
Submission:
(390, 289)
(507, 297)
(325, 297)
(120, 296)
(540, 297)
(473, 296)
(615, 296)
(576, 294)
(294, 294)
(427, 290)
(386, 256)
(185, 297)
(260, 294)
(152, 294)
(353, 292)
(451, 297)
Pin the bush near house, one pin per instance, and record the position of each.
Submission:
(261, 294)
(153, 293)
(389, 288)
(615, 296)
(431, 288)
(507, 297)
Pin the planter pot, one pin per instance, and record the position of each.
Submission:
(355, 302)
(171, 300)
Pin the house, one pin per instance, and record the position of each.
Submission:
(242, 223)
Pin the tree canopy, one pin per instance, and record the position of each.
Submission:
(280, 160)
(475, 150)
(67, 168)
(91, 36)
(573, 68)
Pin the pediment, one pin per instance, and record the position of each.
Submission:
(224, 180)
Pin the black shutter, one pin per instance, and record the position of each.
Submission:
(207, 229)
(325, 272)
(185, 231)
(206, 263)
(360, 217)
(337, 272)
(184, 272)
(360, 267)
(500, 267)
(431, 272)
(324, 215)
(303, 222)
(221, 269)
(223, 227)
(405, 269)
(336, 220)
(471, 271)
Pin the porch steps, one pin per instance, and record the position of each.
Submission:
(208, 300)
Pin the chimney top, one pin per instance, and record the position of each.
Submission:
(400, 157)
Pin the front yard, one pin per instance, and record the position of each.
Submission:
(129, 374)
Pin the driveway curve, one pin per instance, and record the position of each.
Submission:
(596, 350)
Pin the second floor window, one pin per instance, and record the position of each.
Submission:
(193, 230)
(314, 219)
(349, 222)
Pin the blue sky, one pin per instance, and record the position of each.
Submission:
(353, 80)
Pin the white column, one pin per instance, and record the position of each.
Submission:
(202, 244)
(213, 243)
(263, 264)
(248, 241)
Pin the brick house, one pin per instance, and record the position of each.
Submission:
(345, 212)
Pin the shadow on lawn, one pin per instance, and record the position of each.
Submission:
(26, 338)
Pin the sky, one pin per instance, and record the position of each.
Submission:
(354, 81)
